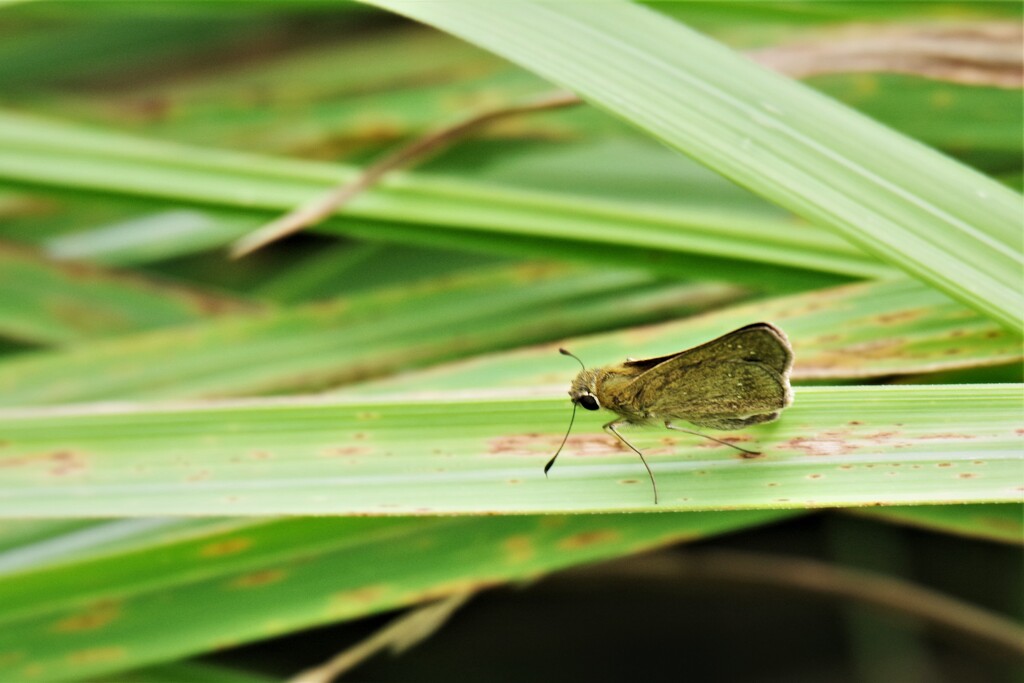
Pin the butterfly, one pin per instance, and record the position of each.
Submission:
(734, 381)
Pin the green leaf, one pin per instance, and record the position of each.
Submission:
(346, 339)
(476, 454)
(1003, 523)
(688, 241)
(876, 329)
(203, 591)
(945, 223)
(52, 303)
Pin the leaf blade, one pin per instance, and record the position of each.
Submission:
(826, 163)
(475, 455)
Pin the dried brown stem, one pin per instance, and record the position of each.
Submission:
(322, 207)
(412, 627)
(977, 54)
(983, 54)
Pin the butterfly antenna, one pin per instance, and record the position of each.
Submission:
(566, 352)
(564, 439)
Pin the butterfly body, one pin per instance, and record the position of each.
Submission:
(734, 381)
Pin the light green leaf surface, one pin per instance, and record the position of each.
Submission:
(52, 303)
(347, 339)
(141, 232)
(867, 330)
(190, 595)
(81, 597)
(689, 241)
(16, 533)
(945, 223)
(864, 330)
(837, 446)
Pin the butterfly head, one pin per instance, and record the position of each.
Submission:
(583, 388)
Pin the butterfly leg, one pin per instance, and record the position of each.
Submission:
(610, 427)
(746, 453)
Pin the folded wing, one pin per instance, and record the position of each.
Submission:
(717, 394)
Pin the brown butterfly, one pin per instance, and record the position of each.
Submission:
(737, 380)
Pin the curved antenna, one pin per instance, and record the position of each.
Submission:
(572, 419)
(564, 439)
(565, 352)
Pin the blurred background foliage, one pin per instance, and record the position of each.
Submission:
(138, 141)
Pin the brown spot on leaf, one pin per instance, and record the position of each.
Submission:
(1000, 523)
(67, 463)
(576, 445)
(95, 617)
(260, 455)
(519, 549)
(9, 658)
(589, 538)
(881, 436)
(947, 436)
(629, 481)
(899, 316)
(465, 585)
(356, 600)
(347, 451)
(199, 476)
(263, 577)
(966, 475)
(945, 464)
(818, 446)
(227, 546)
(61, 463)
(96, 655)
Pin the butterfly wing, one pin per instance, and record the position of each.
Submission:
(759, 342)
(738, 379)
(714, 391)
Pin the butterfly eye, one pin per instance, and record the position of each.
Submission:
(589, 402)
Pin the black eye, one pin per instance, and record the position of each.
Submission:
(589, 402)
